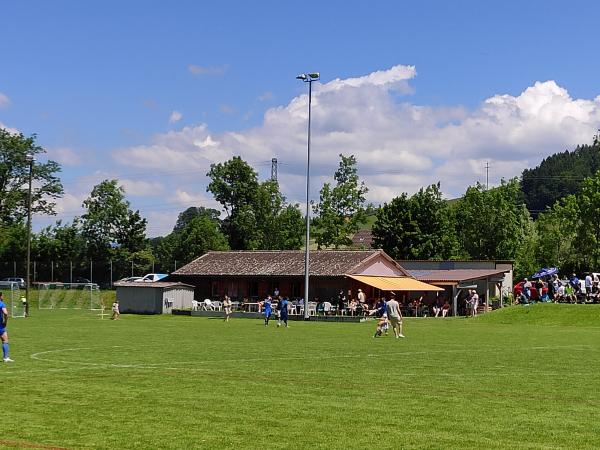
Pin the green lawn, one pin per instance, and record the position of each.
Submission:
(518, 378)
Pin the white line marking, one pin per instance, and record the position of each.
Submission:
(170, 365)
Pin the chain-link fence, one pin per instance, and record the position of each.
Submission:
(104, 273)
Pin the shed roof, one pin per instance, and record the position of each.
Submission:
(155, 284)
(281, 263)
(454, 275)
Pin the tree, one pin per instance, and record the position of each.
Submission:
(234, 185)
(559, 175)
(419, 227)
(341, 209)
(198, 237)
(59, 242)
(279, 226)
(192, 212)
(13, 242)
(109, 226)
(258, 216)
(492, 224)
(14, 178)
(557, 231)
(588, 239)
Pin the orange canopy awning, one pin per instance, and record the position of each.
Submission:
(395, 283)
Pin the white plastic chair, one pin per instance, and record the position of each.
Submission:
(195, 305)
(207, 305)
(312, 308)
(327, 308)
(217, 305)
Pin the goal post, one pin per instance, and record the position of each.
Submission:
(12, 296)
(84, 296)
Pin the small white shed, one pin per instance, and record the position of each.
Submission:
(160, 297)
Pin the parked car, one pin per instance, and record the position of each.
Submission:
(81, 280)
(152, 277)
(130, 279)
(19, 281)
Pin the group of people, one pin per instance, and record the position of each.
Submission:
(389, 313)
(552, 289)
(282, 308)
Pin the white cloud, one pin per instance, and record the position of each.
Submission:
(400, 146)
(265, 96)
(140, 188)
(175, 117)
(65, 156)
(4, 100)
(227, 109)
(207, 70)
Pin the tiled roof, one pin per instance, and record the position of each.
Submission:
(454, 274)
(363, 238)
(279, 262)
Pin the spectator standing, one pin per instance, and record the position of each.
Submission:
(588, 286)
(574, 282)
(341, 299)
(362, 298)
(527, 289)
(539, 287)
(394, 315)
(596, 284)
(560, 293)
(227, 307)
(474, 302)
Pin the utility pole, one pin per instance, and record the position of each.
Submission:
(487, 175)
(274, 169)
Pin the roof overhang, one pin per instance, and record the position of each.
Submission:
(395, 283)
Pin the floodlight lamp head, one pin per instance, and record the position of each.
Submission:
(29, 158)
(302, 77)
(314, 75)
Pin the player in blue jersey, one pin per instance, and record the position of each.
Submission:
(267, 309)
(283, 311)
(3, 333)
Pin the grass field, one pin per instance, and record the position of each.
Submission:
(517, 378)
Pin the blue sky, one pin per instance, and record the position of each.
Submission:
(110, 87)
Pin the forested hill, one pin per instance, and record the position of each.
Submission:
(559, 175)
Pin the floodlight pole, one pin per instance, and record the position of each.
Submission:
(307, 78)
(30, 159)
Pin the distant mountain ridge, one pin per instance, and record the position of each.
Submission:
(559, 175)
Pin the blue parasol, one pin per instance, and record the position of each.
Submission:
(545, 272)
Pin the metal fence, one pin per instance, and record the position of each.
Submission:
(104, 273)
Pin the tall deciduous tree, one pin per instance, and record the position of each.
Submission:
(258, 216)
(341, 209)
(59, 243)
(109, 226)
(192, 212)
(492, 224)
(557, 231)
(417, 227)
(14, 178)
(589, 216)
(234, 185)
